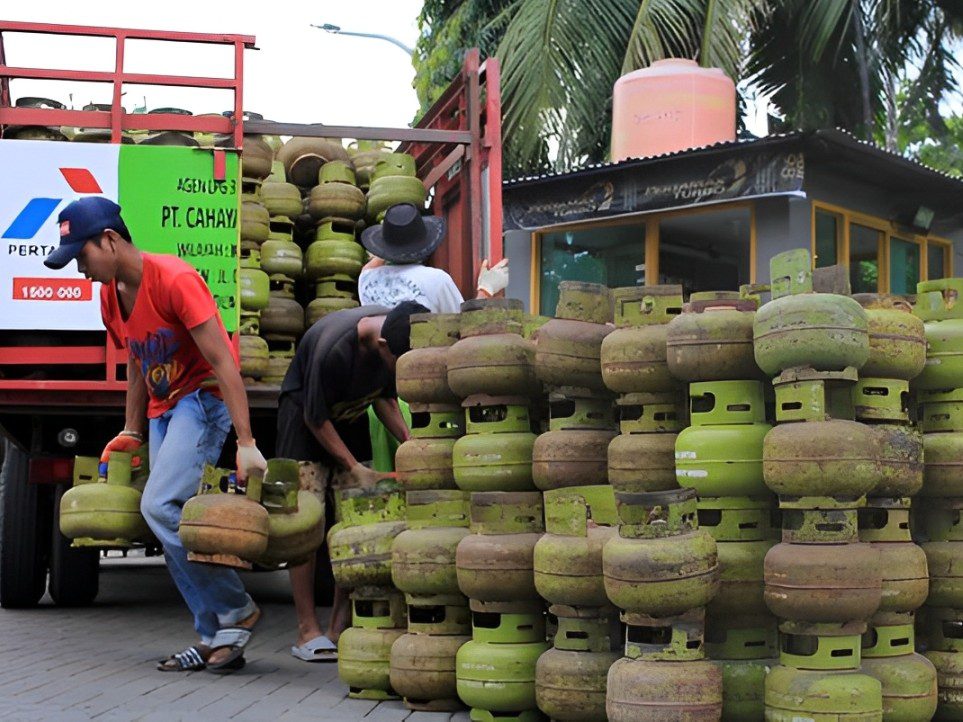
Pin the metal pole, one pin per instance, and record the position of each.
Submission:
(328, 28)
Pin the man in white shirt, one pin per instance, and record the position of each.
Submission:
(400, 245)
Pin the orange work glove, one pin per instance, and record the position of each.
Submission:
(127, 442)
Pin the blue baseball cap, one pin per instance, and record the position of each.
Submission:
(79, 222)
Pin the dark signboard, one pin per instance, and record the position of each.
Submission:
(652, 186)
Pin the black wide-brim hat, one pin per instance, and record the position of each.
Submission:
(405, 236)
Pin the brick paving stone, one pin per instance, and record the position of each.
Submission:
(98, 663)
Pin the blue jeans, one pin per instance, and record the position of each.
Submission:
(182, 441)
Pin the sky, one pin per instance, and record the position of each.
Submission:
(299, 74)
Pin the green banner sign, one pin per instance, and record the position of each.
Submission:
(173, 205)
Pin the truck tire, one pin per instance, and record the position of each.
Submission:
(23, 543)
(74, 573)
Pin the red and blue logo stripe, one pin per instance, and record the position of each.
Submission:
(31, 219)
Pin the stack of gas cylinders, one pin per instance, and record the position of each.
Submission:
(301, 212)
(422, 664)
(936, 519)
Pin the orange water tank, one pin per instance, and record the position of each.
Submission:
(670, 106)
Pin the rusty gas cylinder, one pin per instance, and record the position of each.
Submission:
(295, 516)
(568, 558)
(423, 556)
(661, 563)
(908, 679)
(281, 198)
(422, 670)
(570, 678)
(424, 461)
(225, 528)
(496, 452)
(941, 420)
(831, 458)
(711, 340)
(255, 222)
(574, 452)
(938, 305)
(883, 405)
(942, 523)
(823, 331)
(568, 347)
(642, 457)
(360, 547)
(303, 158)
(845, 696)
(941, 631)
(283, 318)
(664, 675)
(633, 356)
(820, 573)
(421, 375)
(253, 352)
(492, 356)
(743, 533)
(884, 525)
(720, 454)
(495, 562)
(897, 338)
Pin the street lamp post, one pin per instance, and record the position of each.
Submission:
(336, 30)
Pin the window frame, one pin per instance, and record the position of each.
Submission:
(652, 221)
(889, 231)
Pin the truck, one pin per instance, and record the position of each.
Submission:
(62, 381)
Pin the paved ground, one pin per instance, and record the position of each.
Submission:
(98, 662)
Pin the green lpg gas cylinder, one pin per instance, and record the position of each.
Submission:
(908, 679)
(496, 452)
(364, 661)
(938, 304)
(721, 453)
(423, 556)
(491, 355)
(633, 356)
(661, 563)
(422, 671)
(495, 562)
(424, 461)
(568, 347)
(568, 558)
(711, 340)
(897, 340)
(361, 548)
(103, 511)
(574, 452)
(421, 374)
(824, 331)
(642, 457)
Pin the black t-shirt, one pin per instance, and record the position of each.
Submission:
(332, 378)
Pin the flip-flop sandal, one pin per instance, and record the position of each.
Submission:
(319, 649)
(236, 639)
(191, 659)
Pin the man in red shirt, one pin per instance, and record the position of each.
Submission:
(184, 388)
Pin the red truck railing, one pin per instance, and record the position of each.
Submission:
(457, 147)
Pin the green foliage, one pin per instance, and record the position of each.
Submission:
(826, 63)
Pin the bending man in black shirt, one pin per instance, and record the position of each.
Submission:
(344, 363)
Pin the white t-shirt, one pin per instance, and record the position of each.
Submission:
(390, 285)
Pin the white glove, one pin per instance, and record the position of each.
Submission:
(494, 279)
(248, 458)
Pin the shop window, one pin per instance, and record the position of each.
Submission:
(706, 251)
(864, 258)
(935, 261)
(904, 266)
(608, 255)
(828, 231)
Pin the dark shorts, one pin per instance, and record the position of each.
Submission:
(295, 440)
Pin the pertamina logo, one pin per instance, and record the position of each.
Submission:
(31, 219)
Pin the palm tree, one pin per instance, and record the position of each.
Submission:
(560, 59)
